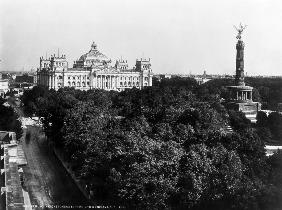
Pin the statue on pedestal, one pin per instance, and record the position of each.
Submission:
(241, 94)
(240, 30)
(240, 57)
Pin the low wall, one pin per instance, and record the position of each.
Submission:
(80, 186)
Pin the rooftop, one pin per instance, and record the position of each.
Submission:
(13, 188)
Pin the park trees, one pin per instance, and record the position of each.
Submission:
(275, 125)
(30, 97)
(162, 147)
(269, 127)
(238, 120)
(209, 176)
(9, 120)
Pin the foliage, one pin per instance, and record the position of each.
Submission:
(275, 124)
(9, 120)
(270, 127)
(30, 97)
(238, 120)
(162, 147)
(270, 90)
(266, 90)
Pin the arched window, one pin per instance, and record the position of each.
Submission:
(120, 83)
(129, 83)
(69, 83)
(83, 84)
(125, 84)
(78, 84)
(73, 84)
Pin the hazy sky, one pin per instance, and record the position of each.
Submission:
(180, 36)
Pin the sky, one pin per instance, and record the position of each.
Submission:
(180, 36)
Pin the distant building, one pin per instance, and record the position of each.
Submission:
(93, 70)
(35, 78)
(162, 76)
(201, 81)
(17, 91)
(12, 161)
(4, 86)
(25, 78)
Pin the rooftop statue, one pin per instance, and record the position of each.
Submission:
(240, 30)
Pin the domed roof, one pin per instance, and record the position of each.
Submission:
(95, 55)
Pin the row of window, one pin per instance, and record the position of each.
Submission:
(123, 67)
(125, 84)
(83, 84)
(128, 78)
(45, 65)
(77, 77)
(146, 66)
(59, 64)
(78, 84)
(121, 78)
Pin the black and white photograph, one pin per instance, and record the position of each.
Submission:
(141, 104)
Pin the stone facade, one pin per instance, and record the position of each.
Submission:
(4, 86)
(93, 70)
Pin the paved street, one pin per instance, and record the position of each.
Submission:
(46, 180)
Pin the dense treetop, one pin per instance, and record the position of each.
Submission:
(9, 120)
(165, 146)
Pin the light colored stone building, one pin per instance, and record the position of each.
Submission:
(4, 86)
(93, 70)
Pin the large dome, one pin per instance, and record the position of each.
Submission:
(94, 57)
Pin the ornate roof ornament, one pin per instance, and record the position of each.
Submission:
(240, 30)
(94, 46)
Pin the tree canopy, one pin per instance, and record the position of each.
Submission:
(9, 120)
(161, 147)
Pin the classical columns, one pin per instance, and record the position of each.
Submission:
(116, 82)
(104, 81)
(49, 80)
(55, 82)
